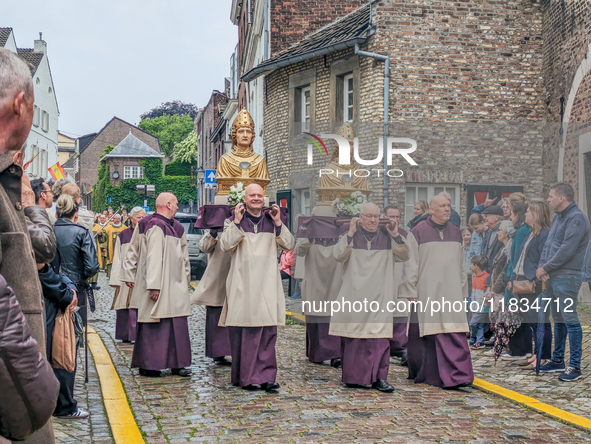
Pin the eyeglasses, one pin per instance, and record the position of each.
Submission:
(371, 216)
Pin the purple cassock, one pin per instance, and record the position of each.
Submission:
(254, 361)
(441, 359)
(126, 323)
(163, 344)
(365, 361)
(217, 339)
(399, 339)
(320, 346)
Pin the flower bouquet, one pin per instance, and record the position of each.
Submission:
(236, 194)
(351, 206)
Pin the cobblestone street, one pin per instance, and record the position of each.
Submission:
(312, 405)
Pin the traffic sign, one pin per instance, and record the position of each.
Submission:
(109, 199)
(209, 176)
(146, 209)
(210, 185)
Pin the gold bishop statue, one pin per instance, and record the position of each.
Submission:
(342, 182)
(241, 164)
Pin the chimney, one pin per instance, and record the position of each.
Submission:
(40, 45)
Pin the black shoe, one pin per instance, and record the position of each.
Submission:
(383, 386)
(335, 362)
(95, 287)
(150, 373)
(268, 386)
(404, 360)
(397, 354)
(221, 361)
(250, 387)
(181, 371)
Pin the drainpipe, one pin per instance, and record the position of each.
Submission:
(386, 61)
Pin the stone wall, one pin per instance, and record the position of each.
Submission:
(567, 81)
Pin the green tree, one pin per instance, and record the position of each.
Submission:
(186, 150)
(168, 129)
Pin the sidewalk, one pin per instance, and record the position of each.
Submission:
(95, 429)
(574, 397)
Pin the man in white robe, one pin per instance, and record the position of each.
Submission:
(438, 352)
(126, 324)
(211, 292)
(323, 277)
(255, 303)
(161, 286)
(368, 254)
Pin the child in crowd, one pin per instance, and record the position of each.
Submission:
(479, 320)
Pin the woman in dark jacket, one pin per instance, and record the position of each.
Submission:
(527, 259)
(78, 260)
(421, 213)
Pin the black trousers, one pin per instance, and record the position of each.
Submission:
(66, 403)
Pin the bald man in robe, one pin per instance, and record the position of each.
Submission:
(399, 339)
(161, 285)
(211, 292)
(255, 303)
(368, 254)
(438, 352)
(322, 281)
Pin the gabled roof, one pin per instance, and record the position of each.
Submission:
(4, 34)
(32, 57)
(131, 146)
(89, 138)
(346, 32)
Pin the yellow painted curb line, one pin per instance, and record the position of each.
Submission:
(123, 425)
(297, 316)
(533, 403)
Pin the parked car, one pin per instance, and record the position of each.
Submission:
(197, 257)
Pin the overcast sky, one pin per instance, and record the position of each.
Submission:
(123, 57)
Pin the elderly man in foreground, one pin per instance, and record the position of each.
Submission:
(438, 352)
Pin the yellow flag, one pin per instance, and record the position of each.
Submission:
(57, 172)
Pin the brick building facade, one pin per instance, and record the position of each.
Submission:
(90, 148)
(567, 81)
(466, 83)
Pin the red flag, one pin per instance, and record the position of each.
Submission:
(57, 172)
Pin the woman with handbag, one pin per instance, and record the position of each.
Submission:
(79, 262)
(518, 344)
(525, 285)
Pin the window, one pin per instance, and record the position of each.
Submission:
(133, 172)
(305, 207)
(416, 192)
(45, 121)
(36, 116)
(348, 98)
(305, 108)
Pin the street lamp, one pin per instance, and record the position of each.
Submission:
(200, 173)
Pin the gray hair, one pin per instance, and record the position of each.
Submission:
(15, 76)
(57, 187)
(135, 210)
(505, 226)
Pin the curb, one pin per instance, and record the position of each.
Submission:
(296, 317)
(121, 420)
(533, 403)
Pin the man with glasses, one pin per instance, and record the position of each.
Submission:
(368, 253)
(399, 339)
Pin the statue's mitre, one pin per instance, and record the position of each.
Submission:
(346, 131)
(243, 119)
